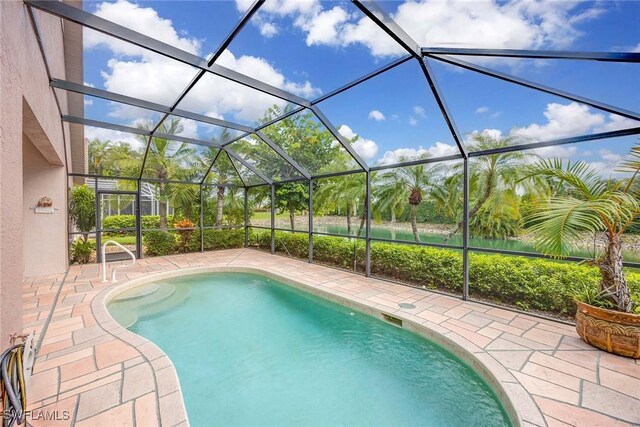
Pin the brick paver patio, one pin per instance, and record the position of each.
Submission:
(101, 374)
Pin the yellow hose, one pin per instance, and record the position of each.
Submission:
(23, 394)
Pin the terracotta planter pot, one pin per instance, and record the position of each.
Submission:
(613, 331)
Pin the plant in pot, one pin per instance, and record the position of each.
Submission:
(586, 202)
(82, 212)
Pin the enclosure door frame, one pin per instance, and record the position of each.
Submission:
(136, 213)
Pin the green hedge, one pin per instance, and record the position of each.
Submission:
(530, 284)
(219, 239)
(158, 243)
(129, 221)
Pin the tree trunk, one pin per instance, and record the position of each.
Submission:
(292, 216)
(414, 222)
(162, 207)
(348, 219)
(393, 216)
(363, 218)
(472, 213)
(219, 206)
(614, 283)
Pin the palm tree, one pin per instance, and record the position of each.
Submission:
(594, 204)
(340, 192)
(222, 172)
(167, 160)
(490, 174)
(98, 152)
(410, 183)
(390, 197)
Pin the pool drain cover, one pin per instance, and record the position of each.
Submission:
(406, 305)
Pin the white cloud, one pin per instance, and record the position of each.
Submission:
(376, 115)
(115, 137)
(617, 122)
(520, 24)
(142, 74)
(413, 121)
(144, 20)
(609, 156)
(88, 102)
(572, 119)
(419, 111)
(323, 28)
(366, 148)
(398, 155)
(636, 49)
(560, 152)
(268, 29)
(562, 121)
(482, 110)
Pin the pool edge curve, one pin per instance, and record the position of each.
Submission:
(509, 391)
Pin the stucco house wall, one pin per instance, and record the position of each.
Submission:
(33, 157)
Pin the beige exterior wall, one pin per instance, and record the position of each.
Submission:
(33, 156)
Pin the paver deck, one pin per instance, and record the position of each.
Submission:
(91, 372)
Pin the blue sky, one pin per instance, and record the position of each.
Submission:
(310, 48)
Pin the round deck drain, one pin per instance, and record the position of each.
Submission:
(406, 305)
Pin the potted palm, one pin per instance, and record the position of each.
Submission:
(588, 203)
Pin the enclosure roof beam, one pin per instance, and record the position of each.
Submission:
(275, 147)
(233, 165)
(536, 54)
(120, 32)
(135, 131)
(542, 88)
(123, 99)
(248, 165)
(227, 41)
(444, 109)
(417, 162)
(374, 12)
(362, 79)
(338, 136)
(204, 178)
(555, 142)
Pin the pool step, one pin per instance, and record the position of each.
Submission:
(138, 292)
(150, 301)
(179, 295)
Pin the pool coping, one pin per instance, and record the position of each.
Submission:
(509, 391)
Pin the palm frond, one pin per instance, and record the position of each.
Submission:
(559, 225)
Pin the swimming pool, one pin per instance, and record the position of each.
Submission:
(252, 351)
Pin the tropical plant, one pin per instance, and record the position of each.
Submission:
(167, 160)
(223, 174)
(412, 183)
(98, 152)
(82, 250)
(82, 209)
(342, 194)
(593, 205)
(305, 141)
(185, 232)
(491, 175)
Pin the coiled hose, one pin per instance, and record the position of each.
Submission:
(12, 386)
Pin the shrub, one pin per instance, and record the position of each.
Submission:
(82, 251)
(530, 284)
(184, 236)
(158, 243)
(129, 221)
(219, 239)
(82, 209)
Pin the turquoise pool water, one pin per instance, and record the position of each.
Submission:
(250, 351)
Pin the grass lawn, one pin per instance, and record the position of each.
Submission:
(267, 215)
(123, 240)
